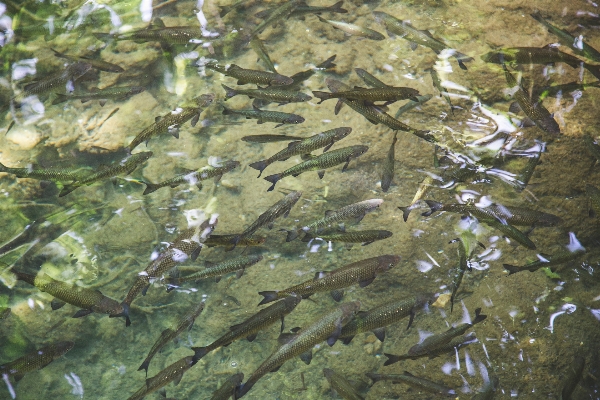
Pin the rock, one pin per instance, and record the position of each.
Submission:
(26, 137)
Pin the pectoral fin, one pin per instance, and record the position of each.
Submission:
(337, 295)
(82, 313)
(306, 357)
(366, 282)
(56, 304)
(379, 334)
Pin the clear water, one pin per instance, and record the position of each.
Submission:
(117, 229)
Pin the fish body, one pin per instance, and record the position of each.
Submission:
(245, 76)
(303, 10)
(263, 116)
(354, 30)
(194, 177)
(389, 165)
(364, 237)
(170, 334)
(370, 79)
(172, 373)
(527, 172)
(459, 271)
(530, 55)
(275, 94)
(123, 167)
(304, 146)
(228, 388)
(555, 90)
(572, 378)
(341, 385)
(280, 13)
(96, 64)
(510, 231)
(594, 194)
(377, 318)
(58, 81)
(327, 327)
(270, 138)
(35, 360)
(415, 36)
(171, 35)
(592, 147)
(261, 51)
(117, 93)
(412, 103)
(320, 163)
(448, 347)
(226, 240)
(248, 329)
(388, 94)
(548, 261)
(300, 77)
(421, 383)
(4, 312)
(47, 174)
(361, 272)
(437, 82)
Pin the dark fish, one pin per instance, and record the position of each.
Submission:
(510, 231)
(343, 388)
(214, 270)
(300, 77)
(385, 314)
(116, 93)
(370, 79)
(276, 95)
(64, 175)
(361, 272)
(412, 104)
(592, 146)
(280, 209)
(388, 165)
(226, 240)
(423, 187)
(415, 36)
(170, 123)
(364, 237)
(572, 378)
(261, 51)
(437, 82)
(547, 261)
(488, 391)
(4, 312)
(186, 245)
(250, 327)
(270, 138)
(388, 94)
(327, 327)
(512, 215)
(448, 347)
(194, 177)
(527, 172)
(420, 383)
(354, 30)
(304, 146)
(123, 167)
(555, 90)
(59, 80)
(158, 32)
(459, 271)
(227, 390)
(536, 112)
(304, 9)
(97, 64)
(173, 373)
(530, 55)
(263, 116)
(88, 300)
(35, 360)
(224, 10)
(594, 194)
(282, 12)
(320, 163)
(245, 76)
(355, 212)
(171, 334)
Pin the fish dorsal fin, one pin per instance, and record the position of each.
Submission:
(426, 33)
(361, 314)
(408, 373)
(292, 144)
(359, 88)
(156, 23)
(255, 108)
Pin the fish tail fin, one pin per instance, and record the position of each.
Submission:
(405, 212)
(308, 237)
(229, 92)
(199, 352)
(260, 166)
(327, 63)
(24, 277)
(478, 316)
(374, 377)
(292, 234)
(57, 53)
(321, 95)
(150, 187)
(434, 206)
(3, 168)
(269, 296)
(594, 70)
(67, 189)
(511, 268)
(144, 366)
(337, 8)
(391, 359)
(227, 111)
(125, 314)
(537, 16)
(60, 98)
(273, 179)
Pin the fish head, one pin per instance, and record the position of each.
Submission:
(380, 16)
(137, 89)
(279, 80)
(294, 119)
(78, 69)
(341, 133)
(61, 348)
(291, 301)
(359, 150)
(387, 261)
(231, 164)
(328, 373)
(349, 310)
(108, 306)
(549, 125)
(143, 156)
(205, 100)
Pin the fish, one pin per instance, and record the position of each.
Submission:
(59, 175)
(102, 95)
(156, 31)
(343, 388)
(547, 260)
(355, 212)
(594, 194)
(412, 103)
(354, 30)
(488, 391)
(556, 90)
(304, 9)
(261, 51)
(361, 272)
(279, 13)
(96, 64)
(250, 327)
(302, 76)
(459, 271)
(320, 163)
(437, 82)
(388, 94)
(511, 232)
(364, 237)
(171, 334)
(186, 245)
(591, 145)
(536, 112)
(227, 389)
(423, 187)
(280, 209)
(270, 94)
(226, 240)
(224, 10)
(59, 80)
(263, 116)
(419, 383)
(446, 348)
(194, 177)
(245, 76)
(382, 315)
(324, 139)
(35, 360)
(123, 167)
(172, 373)
(370, 79)
(170, 123)
(215, 270)
(388, 165)
(416, 37)
(4, 312)
(572, 377)
(576, 45)
(88, 300)
(270, 138)
(527, 172)
(519, 216)
(326, 327)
